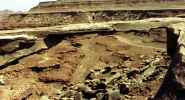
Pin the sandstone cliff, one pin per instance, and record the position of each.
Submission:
(112, 52)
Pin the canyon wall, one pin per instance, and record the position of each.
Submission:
(95, 50)
(63, 18)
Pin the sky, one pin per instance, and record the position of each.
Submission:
(19, 5)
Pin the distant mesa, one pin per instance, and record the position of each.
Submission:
(96, 5)
(5, 13)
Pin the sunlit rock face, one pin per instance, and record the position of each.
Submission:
(72, 12)
(94, 5)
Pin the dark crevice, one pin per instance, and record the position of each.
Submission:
(24, 45)
(53, 39)
(106, 33)
(77, 45)
(37, 69)
(171, 42)
(4, 42)
(139, 32)
(10, 63)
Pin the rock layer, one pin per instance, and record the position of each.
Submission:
(65, 59)
(101, 54)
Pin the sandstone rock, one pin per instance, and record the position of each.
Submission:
(44, 98)
(54, 76)
(90, 76)
(9, 47)
(116, 76)
(5, 59)
(87, 92)
(123, 26)
(100, 96)
(5, 93)
(78, 96)
(34, 96)
(50, 12)
(114, 95)
(2, 80)
(149, 70)
(69, 58)
(18, 37)
(23, 90)
(70, 93)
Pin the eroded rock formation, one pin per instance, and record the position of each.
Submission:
(94, 54)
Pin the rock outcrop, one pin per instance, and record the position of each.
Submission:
(112, 52)
(73, 12)
(173, 84)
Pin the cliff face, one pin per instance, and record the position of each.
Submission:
(95, 5)
(93, 49)
(71, 12)
(74, 17)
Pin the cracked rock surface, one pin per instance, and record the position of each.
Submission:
(92, 55)
(87, 66)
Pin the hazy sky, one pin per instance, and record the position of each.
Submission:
(19, 5)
